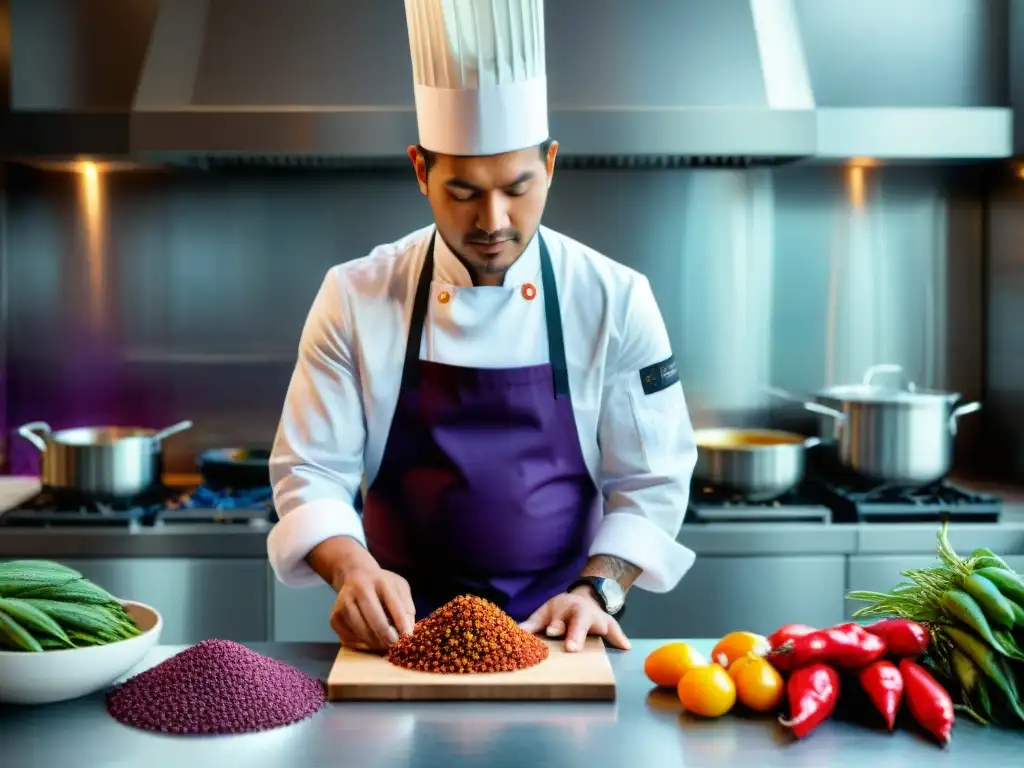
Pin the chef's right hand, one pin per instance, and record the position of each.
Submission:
(374, 607)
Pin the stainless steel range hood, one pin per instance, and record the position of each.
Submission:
(327, 83)
(909, 80)
(324, 81)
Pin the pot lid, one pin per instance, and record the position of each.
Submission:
(870, 393)
(906, 391)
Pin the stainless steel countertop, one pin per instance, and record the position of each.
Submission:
(642, 727)
(722, 539)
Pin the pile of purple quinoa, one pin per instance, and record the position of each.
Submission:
(214, 687)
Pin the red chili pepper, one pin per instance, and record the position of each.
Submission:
(788, 632)
(928, 701)
(848, 646)
(812, 692)
(883, 684)
(903, 637)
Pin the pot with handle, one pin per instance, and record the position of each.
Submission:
(752, 464)
(900, 435)
(101, 461)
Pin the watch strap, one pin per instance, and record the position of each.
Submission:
(592, 582)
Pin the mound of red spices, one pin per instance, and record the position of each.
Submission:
(468, 635)
(216, 686)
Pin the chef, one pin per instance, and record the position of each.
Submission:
(483, 406)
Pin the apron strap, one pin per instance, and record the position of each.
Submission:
(411, 369)
(552, 313)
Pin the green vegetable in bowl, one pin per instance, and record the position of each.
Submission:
(48, 606)
(34, 619)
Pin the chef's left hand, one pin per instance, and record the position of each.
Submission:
(577, 614)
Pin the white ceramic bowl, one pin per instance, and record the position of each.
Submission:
(51, 676)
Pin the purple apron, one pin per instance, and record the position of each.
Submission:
(482, 487)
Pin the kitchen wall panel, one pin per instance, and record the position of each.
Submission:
(156, 296)
(1015, 59)
(1005, 327)
(4, 326)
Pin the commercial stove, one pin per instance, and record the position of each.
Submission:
(161, 506)
(709, 506)
(815, 501)
(842, 500)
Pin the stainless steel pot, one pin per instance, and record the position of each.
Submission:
(753, 464)
(108, 461)
(900, 435)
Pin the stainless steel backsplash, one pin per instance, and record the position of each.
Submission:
(161, 296)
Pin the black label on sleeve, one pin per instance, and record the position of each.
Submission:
(659, 376)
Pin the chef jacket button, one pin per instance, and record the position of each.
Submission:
(444, 297)
(529, 291)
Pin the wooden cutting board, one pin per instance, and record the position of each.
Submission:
(582, 676)
(14, 490)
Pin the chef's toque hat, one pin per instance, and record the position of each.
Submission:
(479, 71)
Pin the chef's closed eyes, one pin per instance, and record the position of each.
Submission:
(467, 193)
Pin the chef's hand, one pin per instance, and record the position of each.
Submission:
(373, 608)
(577, 614)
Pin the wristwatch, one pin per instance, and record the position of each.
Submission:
(608, 592)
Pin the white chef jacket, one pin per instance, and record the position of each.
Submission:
(639, 448)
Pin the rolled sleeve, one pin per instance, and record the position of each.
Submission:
(648, 451)
(638, 540)
(300, 531)
(316, 463)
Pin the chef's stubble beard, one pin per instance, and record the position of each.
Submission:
(488, 267)
(484, 267)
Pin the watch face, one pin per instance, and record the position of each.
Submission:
(612, 593)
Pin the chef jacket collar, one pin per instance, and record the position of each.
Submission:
(449, 270)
